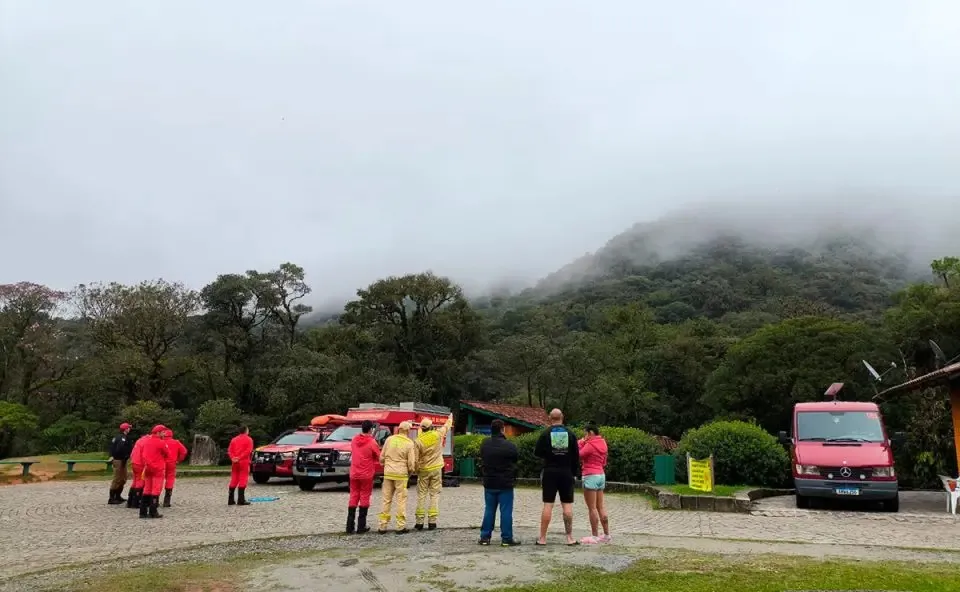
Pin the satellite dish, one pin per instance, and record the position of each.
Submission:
(871, 370)
(937, 353)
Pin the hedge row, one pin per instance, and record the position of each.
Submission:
(743, 453)
(630, 458)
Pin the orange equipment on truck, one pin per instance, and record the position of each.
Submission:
(276, 458)
(329, 460)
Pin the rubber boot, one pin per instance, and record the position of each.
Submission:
(154, 502)
(362, 521)
(230, 500)
(166, 497)
(351, 517)
(113, 498)
(241, 499)
(133, 499)
(144, 506)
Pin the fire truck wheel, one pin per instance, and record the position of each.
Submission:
(306, 484)
(260, 478)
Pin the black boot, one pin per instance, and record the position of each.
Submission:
(166, 497)
(241, 499)
(154, 502)
(362, 521)
(120, 499)
(144, 506)
(133, 499)
(230, 500)
(351, 517)
(113, 498)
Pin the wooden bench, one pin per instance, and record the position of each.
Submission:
(23, 463)
(70, 463)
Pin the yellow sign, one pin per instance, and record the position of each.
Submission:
(700, 474)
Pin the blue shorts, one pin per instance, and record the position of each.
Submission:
(595, 482)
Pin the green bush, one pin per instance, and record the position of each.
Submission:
(630, 458)
(16, 422)
(143, 415)
(72, 433)
(743, 454)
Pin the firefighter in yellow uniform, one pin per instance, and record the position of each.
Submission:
(430, 470)
(399, 460)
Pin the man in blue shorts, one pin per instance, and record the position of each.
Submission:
(558, 448)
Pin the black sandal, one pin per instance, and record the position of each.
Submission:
(573, 544)
(539, 544)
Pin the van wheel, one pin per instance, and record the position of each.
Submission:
(260, 478)
(306, 484)
(803, 502)
(892, 505)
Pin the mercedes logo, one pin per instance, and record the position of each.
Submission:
(845, 472)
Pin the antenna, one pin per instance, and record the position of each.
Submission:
(871, 370)
(938, 354)
(941, 358)
(878, 376)
(833, 390)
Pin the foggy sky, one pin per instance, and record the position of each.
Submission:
(487, 141)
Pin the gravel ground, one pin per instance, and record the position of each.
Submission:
(378, 563)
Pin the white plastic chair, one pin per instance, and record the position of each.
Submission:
(952, 487)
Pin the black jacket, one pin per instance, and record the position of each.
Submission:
(498, 458)
(121, 447)
(558, 448)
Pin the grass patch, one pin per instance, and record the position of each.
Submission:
(718, 490)
(173, 578)
(690, 572)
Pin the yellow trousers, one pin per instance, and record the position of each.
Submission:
(390, 489)
(429, 485)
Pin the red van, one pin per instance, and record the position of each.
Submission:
(840, 450)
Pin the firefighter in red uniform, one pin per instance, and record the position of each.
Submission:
(239, 451)
(136, 465)
(155, 455)
(364, 454)
(178, 452)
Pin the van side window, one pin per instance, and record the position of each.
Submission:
(382, 436)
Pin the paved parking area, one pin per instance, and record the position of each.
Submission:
(50, 524)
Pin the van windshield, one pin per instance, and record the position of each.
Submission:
(343, 434)
(839, 426)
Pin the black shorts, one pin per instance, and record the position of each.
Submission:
(557, 482)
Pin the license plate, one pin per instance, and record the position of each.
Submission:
(847, 491)
(314, 473)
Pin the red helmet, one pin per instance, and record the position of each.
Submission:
(125, 426)
(158, 429)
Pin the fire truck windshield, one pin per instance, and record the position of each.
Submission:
(343, 434)
(296, 440)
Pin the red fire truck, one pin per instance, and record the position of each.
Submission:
(329, 460)
(276, 458)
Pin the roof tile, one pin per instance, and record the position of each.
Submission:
(531, 415)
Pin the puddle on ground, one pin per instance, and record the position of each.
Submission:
(396, 570)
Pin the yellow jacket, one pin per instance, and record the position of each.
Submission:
(398, 457)
(430, 448)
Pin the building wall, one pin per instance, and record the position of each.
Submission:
(481, 425)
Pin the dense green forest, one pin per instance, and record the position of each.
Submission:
(728, 329)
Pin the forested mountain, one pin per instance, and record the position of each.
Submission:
(659, 337)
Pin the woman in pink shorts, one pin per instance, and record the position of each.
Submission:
(593, 458)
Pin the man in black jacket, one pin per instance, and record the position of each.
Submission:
(120, 449)
(498, 460)
(558, 448)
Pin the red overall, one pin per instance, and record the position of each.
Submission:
(178, 452)
(239, 451)
(136, 462)
(155, 457)
(364, 455)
